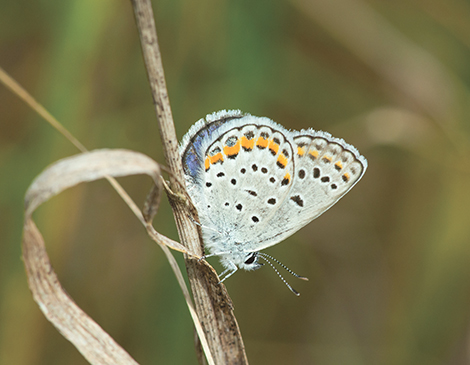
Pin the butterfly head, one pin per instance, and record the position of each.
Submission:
(251, 261)
(240, 260)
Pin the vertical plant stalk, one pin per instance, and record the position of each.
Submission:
(212, 303)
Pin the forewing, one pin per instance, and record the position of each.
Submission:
(248, 174)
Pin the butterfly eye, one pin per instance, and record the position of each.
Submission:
(251, 259)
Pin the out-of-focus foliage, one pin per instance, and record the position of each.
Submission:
(389, 265)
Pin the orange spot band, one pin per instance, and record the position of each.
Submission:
(286, 179)
(247, 144)
(262, 142)
(273, 146)
(216, 158)
(231, 151)
(282, 160)
(313, 153)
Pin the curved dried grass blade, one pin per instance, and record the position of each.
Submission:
(91, 166)
(74, 324)
(85, 167)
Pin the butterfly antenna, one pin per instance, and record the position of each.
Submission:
(279, 274)
(264, 255)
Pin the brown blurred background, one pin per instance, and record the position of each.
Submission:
(389, 265)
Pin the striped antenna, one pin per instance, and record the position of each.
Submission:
(264, 255)
(265, 258)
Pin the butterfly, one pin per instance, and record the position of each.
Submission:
(255, 183)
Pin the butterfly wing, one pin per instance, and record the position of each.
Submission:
(254, 183)
(238, 174)
(326, 168)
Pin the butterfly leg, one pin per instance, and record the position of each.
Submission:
(219, 254)
(228, 272)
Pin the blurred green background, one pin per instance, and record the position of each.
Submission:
(389, 265)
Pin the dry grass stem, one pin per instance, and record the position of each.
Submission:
(212, 302)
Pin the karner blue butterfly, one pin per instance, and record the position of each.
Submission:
(254, 183)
